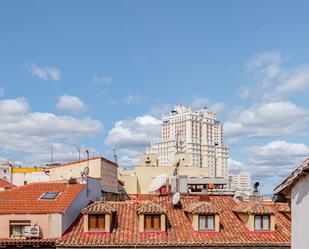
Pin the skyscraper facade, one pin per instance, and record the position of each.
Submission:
(197, 135)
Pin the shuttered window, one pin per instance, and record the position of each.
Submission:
(96, 222)
(152, 223)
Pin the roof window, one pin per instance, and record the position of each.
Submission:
(49, 195)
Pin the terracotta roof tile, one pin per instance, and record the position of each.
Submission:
(253, 208)
(201, 207)
(151, 208)
(26, 199)
(5, 184)
(179, 231)
(99, 208)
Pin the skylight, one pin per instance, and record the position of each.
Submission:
(49, 195)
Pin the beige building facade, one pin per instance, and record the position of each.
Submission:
(99, 167)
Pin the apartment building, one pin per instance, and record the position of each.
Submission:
(241, 183)
(25, 175)
(50, 206)
(97, 167)
(197, 134)
(6, 172)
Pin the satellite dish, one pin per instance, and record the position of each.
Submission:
(158, 182)
(176, 198)
(86, 171)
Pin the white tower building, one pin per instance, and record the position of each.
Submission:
(198, 135)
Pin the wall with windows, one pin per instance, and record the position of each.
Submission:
(48, 227)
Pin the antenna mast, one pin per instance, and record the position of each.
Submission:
(51, 153)
(115, 155)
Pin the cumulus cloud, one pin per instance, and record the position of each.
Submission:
(159, 109)
(237, 167)
(277, 158)
(199, 102)
(281, 118)
(271, 80)
(31, 133)
(136, 132)
(44, 72)
(71, 103)
(131, 136)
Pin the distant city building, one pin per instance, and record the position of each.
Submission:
(241, 183)
(98, 167)
(25, 175)
(6, 172)
(197, 135)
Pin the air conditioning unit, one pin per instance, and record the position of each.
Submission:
(32, 232)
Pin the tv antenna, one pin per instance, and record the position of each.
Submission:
(115, 155)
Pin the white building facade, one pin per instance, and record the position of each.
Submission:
(241, 183)
(197, 134)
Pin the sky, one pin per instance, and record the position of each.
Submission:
(97, 75)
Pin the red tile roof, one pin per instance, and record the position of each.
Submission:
(201, 207)
(5, 184)
(99, 208)
(179, 233)
(253, 208)
(151, 208)
(26, 199)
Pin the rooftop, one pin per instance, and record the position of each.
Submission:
(27, 199)
(179, 232)
(5, 184)
(82, 161)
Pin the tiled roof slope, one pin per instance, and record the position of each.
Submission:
(179, 232)
(253, 208)
(26, 199)
(201, 207)
(5, 184)
(99, 208)
(151, 208)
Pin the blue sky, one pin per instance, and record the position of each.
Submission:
(99, 74)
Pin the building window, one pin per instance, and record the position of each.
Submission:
(17, 227)
(152, 223)
(49, 195)
(96, 222)
(206, 223)
(261, 223)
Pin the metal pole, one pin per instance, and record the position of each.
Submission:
(87, 151)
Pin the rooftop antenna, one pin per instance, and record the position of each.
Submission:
(87, 170)
(115, 155)
(78, 149)
(51, 153)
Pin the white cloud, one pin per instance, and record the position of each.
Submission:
(130, 137)
(2, 91)
(71, 103)
(199, 102)
(237, 166)
(102, 79)
(45, 72)
(217, 107)
(267, 120)
(136, 132)
(271, 80)
(277, 158)
(31, 133)
(158, 110)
